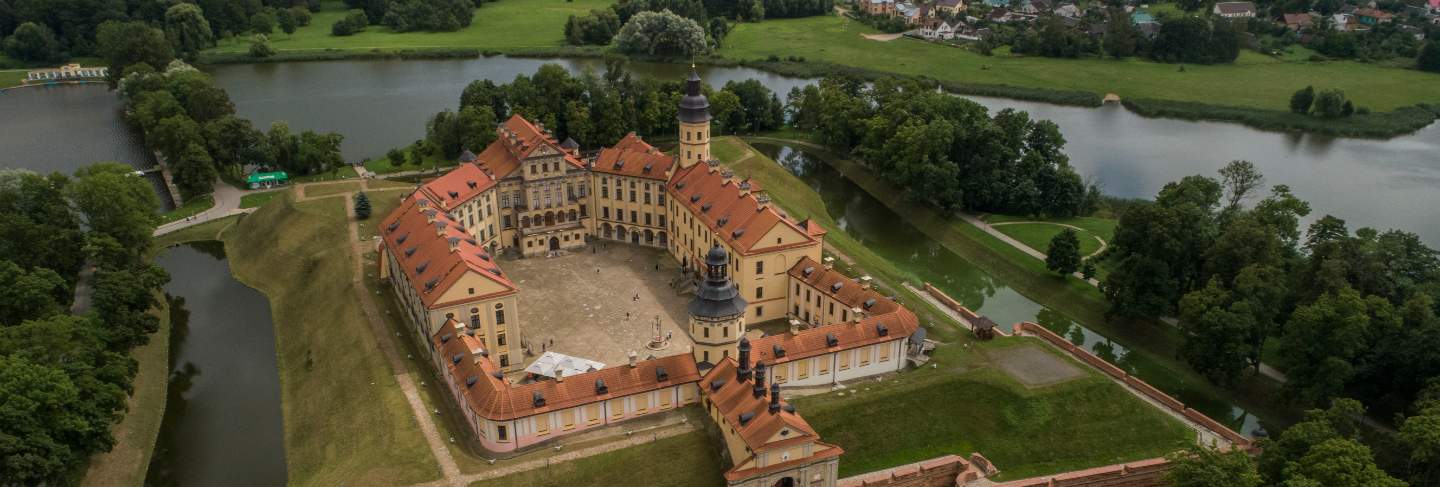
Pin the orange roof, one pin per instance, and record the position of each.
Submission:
(898, 321)
(730, 208)
(493, 398)
(458, 186)
(733, 398)
(631, 156)
(435, 251)
(517, 139)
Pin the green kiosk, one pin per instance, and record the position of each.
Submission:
(257, 180)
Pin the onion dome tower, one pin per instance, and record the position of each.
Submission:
(694, 117)
(717, 314)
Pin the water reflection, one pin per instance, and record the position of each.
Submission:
(222, 424)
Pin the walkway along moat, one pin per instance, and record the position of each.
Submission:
(222, 423)
(892, 237)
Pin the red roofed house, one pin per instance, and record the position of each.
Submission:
(528, 192)
(630, 198)
(542, 188)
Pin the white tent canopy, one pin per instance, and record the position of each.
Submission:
(550, 362)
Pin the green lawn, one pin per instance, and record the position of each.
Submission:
(319, 190)
(1153, 346)
(346, 420)
(1037, 232)
(968, 405)
(501, 25)
(256, 200)
(800, 202)
(1254, 80)
(190, 208)
(690, 459)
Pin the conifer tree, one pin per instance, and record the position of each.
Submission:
(362, 206)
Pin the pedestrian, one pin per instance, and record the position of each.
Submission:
(542, 347)
(627, 316)
(552, 342)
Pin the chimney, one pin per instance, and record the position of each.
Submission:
(559, 375)
(865, 282)
(774, 398)
(794, 326)
(742, 373)
(633, 359)
(759, 380)
(829, 262)
(857, 314)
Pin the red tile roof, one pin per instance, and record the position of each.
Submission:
(899, 322)
(734, 398)
(458, 186)
(423, 249)
(639, 159)
(517, 139)
(712, 197)
(495, 399)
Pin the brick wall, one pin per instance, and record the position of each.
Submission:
(965, 313)
(945, 471)
(1148, 390)
(1143, 473)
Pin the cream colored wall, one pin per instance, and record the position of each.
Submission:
(821, 307)
(605, 201)
(694, 143)
(489, 330)
(773, 279)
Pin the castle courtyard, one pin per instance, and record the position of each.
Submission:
(585, 302)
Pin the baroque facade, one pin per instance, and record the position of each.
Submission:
(529, 194)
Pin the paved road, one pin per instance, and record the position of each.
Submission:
(227, 203)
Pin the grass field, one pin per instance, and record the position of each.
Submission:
(190, 208)
(799, 201)
(501, 25)
(346, 421)
(1037, 232)
(1254, 80)
(256, 200)
(967, 405)
(319, 190)
(690, 459)
(1153, 346)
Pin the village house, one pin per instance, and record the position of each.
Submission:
(1373, 16)
(937, 30)
(1233, 10)
(953, 7)
(754, 263)
(879, 7)
(1298, 23)
(1069, 11)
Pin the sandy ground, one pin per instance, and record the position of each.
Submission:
(881, 37)
(1033, 366)
(584, 304)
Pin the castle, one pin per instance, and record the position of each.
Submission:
(530, 193)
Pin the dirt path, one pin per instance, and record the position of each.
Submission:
(227, 203)
(882, 37)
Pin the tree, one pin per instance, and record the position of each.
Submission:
(395, 157)
(428, 15)
(597, 28)
(1338, 462)
(175, 134)
(33, 42)
(362, 206)
(1240, 178)
(1120, 37)
(115, 203)
(1323, 339)
(187, 29)
(1202, 466)
(29, 294)
(354, 22)
(260, 47)
(661, 34)
(285, 18)
(125, 43)
(1302, 99)
(1063, 256)
(1429, 59)
(262, 23)
(194, 171)
(42, 411)
(1330, 103)
(203, 100)
(1217, 338)
(476, 127)
(1195, 39)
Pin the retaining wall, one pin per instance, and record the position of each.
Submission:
(944, 471)
(1143, 473)
(969, 316)
(1239, 440)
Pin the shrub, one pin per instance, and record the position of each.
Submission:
(260, 47)
(33, 42)
(661, 34)
(354, 22)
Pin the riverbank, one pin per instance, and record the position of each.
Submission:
(126, 463)
(1153, 347)
(1253, 91)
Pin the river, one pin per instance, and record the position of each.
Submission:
(1382, 184)
(222, 423)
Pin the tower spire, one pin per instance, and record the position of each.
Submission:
(694, 115)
